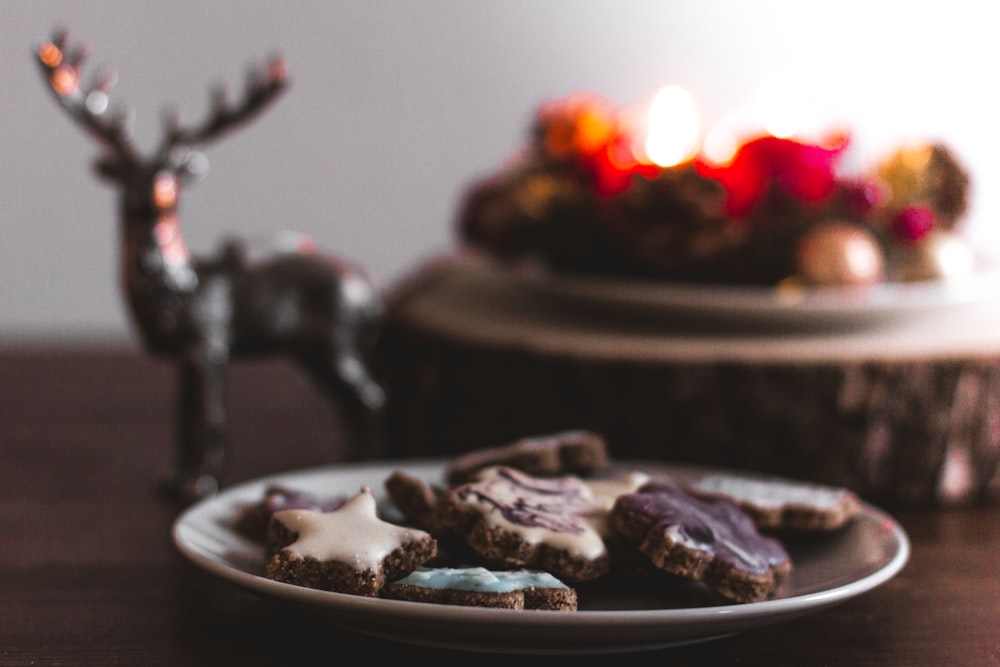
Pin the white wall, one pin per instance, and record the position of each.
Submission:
(396, 106)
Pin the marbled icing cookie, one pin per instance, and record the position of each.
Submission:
(516, 520)
(481, 587)
(779, 504)
(349, 550)
(712, 541)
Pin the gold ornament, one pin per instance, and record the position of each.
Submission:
(839, 253)
(929, 175)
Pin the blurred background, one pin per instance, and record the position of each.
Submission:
(395, 107)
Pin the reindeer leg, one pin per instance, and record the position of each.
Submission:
(202, 431)
(365, 399)
(358, 398)
(201, 427)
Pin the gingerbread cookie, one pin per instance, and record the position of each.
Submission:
(349, 550)
(566, 452)
(480, 587)
(416, 503)
(712, 541)
(779, 504)
(415, 499)
(516, 520)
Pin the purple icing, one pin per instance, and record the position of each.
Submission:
(718, 528)
(551, 503)
(278, 498)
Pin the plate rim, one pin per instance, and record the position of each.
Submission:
(649, 628)
(786, 304)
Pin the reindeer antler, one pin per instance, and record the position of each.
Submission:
(264, 84)
(88, 106)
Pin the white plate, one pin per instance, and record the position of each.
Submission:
(770, 306)
(827, 571)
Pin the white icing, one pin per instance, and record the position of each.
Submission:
(770, 493)
(755, 562)
(604, 492)
(480, 579)
(677, 535)
(352, 534)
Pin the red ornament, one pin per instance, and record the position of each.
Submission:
(913, 223)
(801, 170)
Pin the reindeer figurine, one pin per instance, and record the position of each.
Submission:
(204, 312)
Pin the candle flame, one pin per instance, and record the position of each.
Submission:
(673, 129)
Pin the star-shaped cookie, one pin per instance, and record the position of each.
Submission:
(349, 550)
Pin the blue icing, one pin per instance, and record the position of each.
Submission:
(480, 579)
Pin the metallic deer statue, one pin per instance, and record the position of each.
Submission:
(204, 312)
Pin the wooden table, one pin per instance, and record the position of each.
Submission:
(90, 575)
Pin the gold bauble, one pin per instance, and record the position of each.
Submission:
(839, 253)
(926, 174)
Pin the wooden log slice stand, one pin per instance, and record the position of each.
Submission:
(904, 412)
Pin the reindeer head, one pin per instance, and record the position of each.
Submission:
(150, 184)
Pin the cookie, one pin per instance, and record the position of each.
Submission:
(349, 550)
(253, 518)
(517, 520)
(415, 502)
(711, 541)
(415, 499)
(565, 452)
(481, 587)
(782, 505)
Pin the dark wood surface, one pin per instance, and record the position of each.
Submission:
(90, 575)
